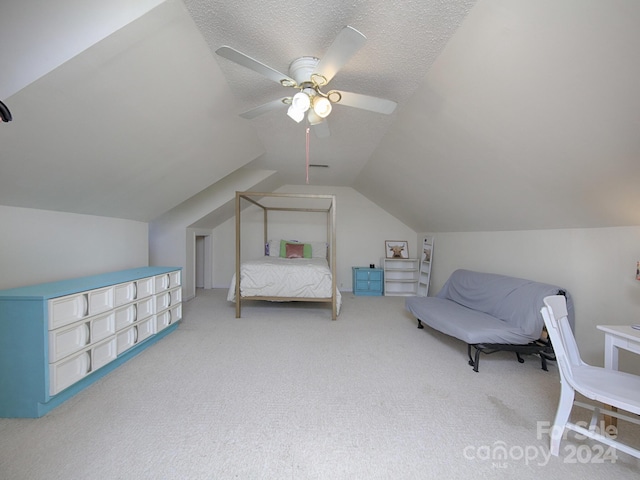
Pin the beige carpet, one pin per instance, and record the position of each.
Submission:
(286, 393)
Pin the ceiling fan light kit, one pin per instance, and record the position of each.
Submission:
(309, 75)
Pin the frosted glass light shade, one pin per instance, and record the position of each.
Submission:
(322, 106)
(295, 113)
(301, 101)
(313, 118)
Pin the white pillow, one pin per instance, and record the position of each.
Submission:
(274, 248)
(318, 249)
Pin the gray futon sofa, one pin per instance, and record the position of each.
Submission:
(490, 313)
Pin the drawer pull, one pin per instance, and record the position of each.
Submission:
(85, 305)
(86, 334)
(86, 363)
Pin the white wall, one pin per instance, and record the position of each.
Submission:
(361, 229)
(596, 265)
(172, 241)
(38, 246)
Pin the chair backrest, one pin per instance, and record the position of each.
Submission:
(564, 344)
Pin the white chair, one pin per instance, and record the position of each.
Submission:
(610, 387)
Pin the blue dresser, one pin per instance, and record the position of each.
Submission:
(57, 338)
(367, 281)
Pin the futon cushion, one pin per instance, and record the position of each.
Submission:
(470, 326)
(515, 301)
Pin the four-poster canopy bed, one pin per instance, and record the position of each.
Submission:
(290, 270)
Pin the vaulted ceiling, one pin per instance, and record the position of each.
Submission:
(512, 114)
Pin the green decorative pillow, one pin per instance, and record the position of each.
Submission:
(306, 248)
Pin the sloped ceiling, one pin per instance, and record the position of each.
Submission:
(130, 127)
(529, 119)
(512, 114)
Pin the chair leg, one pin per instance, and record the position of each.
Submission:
(565, 404)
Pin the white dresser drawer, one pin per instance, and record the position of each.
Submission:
(68, 371)
(162, 282)
(103, 353)
(175, 279)
(175, 296)
(146, 308)
(163, 300)
(146, 287)
(125, 339)
(125, 316)
(103, 326)
(168, 317)
(167, 299)
(146, 328)
(124, 293)
(163, 320)
(176, 313)
(67, 340)
(68, 309)
(100, 300)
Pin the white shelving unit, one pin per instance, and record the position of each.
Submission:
(400, 276)
(426, 256)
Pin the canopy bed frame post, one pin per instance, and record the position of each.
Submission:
(331, 230)
(238, 307)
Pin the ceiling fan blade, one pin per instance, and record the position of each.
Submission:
(321, 129)
(253, 64)
(345, 45)
(267, 107)
(366, 102)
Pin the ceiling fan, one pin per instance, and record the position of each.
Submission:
(310, 75)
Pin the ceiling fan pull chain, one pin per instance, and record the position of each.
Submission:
(307, 155)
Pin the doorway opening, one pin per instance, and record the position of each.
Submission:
(203, 262)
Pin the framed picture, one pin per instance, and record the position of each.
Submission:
(396, 249)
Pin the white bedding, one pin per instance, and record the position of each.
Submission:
(285, 277)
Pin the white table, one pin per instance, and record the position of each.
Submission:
(617, 337)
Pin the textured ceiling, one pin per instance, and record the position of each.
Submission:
(401, 45)
(512, 114)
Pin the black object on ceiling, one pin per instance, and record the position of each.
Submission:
(5, 114)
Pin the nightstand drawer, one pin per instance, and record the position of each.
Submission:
(368, 274)
(364, 285)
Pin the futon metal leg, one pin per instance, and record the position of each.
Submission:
(473, 362)
(520, 359)
(420, 324)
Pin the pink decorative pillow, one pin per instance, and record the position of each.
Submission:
(295, 250)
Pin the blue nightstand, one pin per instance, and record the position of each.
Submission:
(367, 281)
